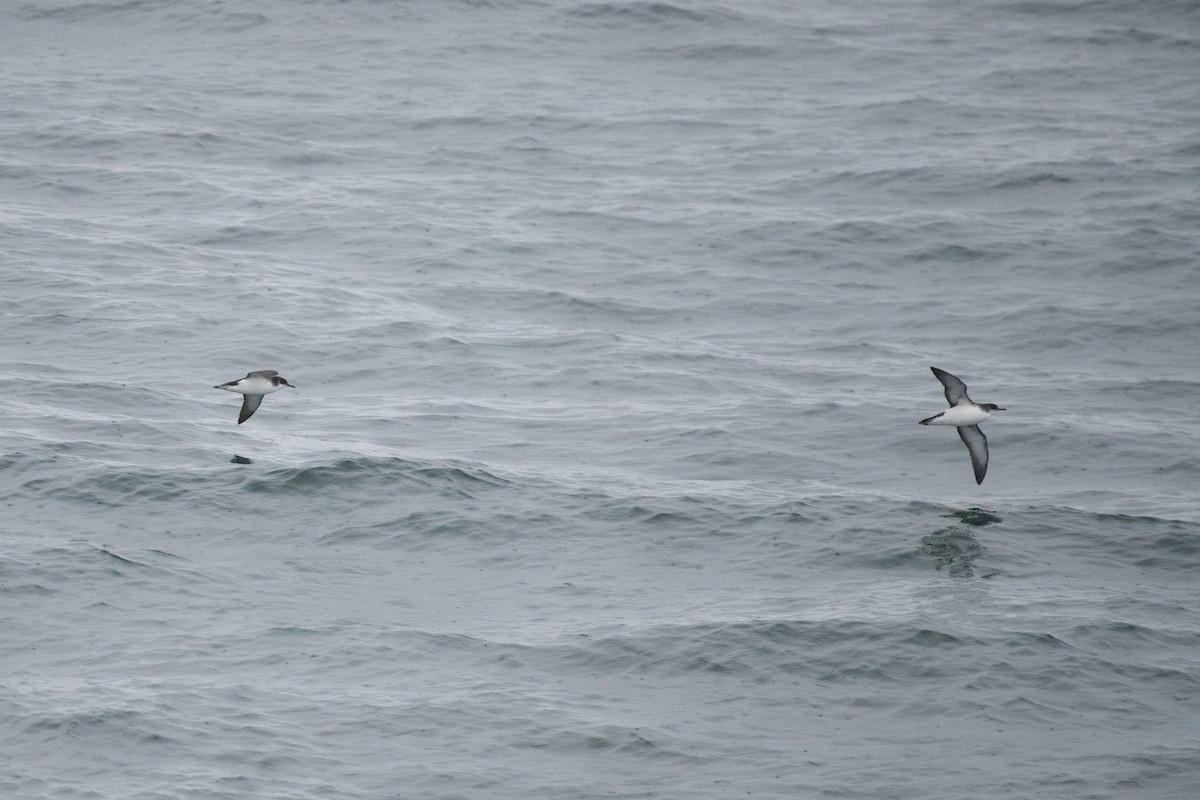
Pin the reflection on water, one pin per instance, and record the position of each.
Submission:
(976, 517)
(954, 548)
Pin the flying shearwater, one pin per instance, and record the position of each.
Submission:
(966, 416)
(253, 387)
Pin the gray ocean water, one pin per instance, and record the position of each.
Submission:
(611, 324)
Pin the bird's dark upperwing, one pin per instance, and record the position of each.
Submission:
(956, 390)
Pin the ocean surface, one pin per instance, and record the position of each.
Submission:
(611, 324)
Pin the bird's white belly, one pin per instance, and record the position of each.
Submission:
(961, 415)
(254, 386)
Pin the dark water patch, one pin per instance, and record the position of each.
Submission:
(414, 531)
(425, 529)
(1169, 770)
(132, 727)
(1175, 546)
(711, 52)
(213, 19)
(1150, 390)
(1033, 644)
(1030, 180)
(865, 229)
(1144, 542)
(769, 650)
(661, 514)
(310, 158)
(16, 586)
(352, 644)
(698, 521)
(88, 12)
(1121, 38)
(976, 517)
(1181, 681)
(59, 567)
(459, 476)
(580, 309)
(113, 487)
(582, 738)
(19, 463)
(652, 15)
(450, 121)
(1120, 636)
(115, 557)
(357, 476)
(238, 236)
(795, 512)
(164, 553)
(73, 139)
(1104, 674)
(439, 343)
(952, 253)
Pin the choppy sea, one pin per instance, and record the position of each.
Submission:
(611, 324)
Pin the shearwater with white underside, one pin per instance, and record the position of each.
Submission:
(965, 416)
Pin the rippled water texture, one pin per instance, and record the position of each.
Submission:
(611, 324)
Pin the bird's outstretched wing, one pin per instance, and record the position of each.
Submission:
(251, 402)
(976, 444)
(956, 390)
